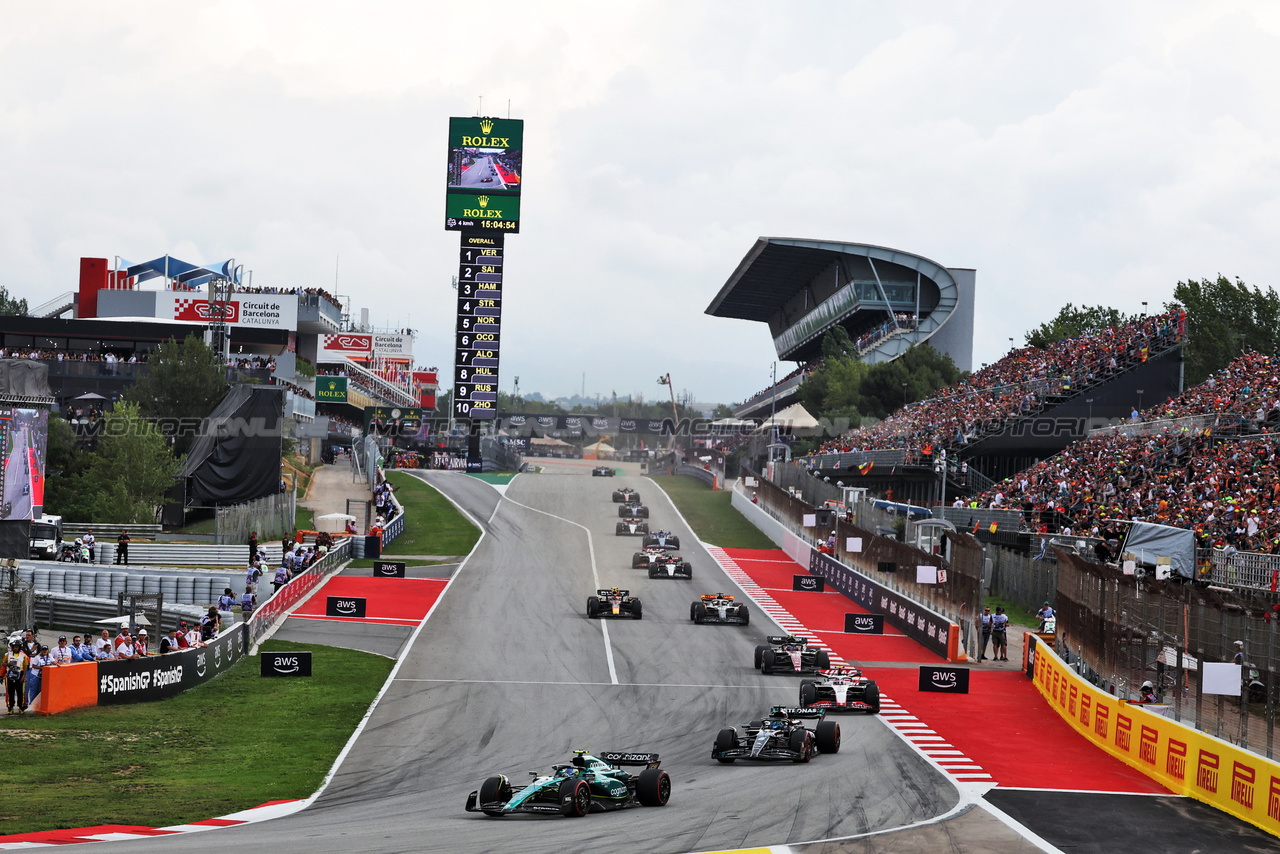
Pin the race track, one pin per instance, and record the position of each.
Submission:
(509, 675)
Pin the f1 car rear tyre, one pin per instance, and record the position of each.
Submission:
(639, 560)
(636, 608)
(872, 696)
(798, 745)
(760, 655)
(766, 661)
(653, 789)
(744, 614)
(593, 607)
(494, 789)
(727, 739)
(575, 798)
(653, 572)
(822, 660)
(828, 736)
(688, 570)
(808, 692)
(699, 614)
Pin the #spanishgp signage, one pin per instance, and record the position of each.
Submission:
(157, 677)
(285, 664)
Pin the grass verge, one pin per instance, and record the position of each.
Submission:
(710, 514)
(229, 745)
(432, 525)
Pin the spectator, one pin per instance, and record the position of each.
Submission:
(248, 601)
(140, 643)
(91, 543)
(122, 636)
(986, 624)
(61, 654)
(1000, 635)
(169, 642)
(124, 646)
(1147, 694)
(253, 546)
(15, 665)
(104, 640)
(194, 636)
(78, 651)
(122, 548)
(29, 643)
(37, 663)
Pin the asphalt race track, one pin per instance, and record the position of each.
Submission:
(509, 675)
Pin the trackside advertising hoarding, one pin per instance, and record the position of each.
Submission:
(1178, 757)
(157, 677)
(922, 626)
(484, 174)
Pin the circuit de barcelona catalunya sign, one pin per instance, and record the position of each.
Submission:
(157, 677)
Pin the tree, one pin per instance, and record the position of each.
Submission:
(1224, 319)
(133, 468)
(10, 307)
(722, 410)
(123, 482)
(1072, 322)
(186, 381)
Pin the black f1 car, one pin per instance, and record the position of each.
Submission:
(790, 654)
(587, 784)
(632, 526)
(625, 496)
(668, 565)
(719, 608)
(633, 509)
(614, 602)
(779, 736)
(842, 689)
(602, 471)
(661, 540)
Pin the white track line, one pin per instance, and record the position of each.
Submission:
(595, 579)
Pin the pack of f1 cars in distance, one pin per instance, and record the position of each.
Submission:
(633, 509)
(614, 602)
(841, 689)
(625, 495)
(602, 471)
(781, 735)
(587, 784)
(719, 608)
(653, 557)
(660, 540)
(790, 654)
(632, 526)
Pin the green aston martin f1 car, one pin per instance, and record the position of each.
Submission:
(587, 784)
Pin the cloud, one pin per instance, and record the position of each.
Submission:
(1086, 153)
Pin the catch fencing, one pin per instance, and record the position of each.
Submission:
(17, 600)
(272, 516)
(1121, 630)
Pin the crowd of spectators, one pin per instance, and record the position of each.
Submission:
(872, 337)
(320, 292)
(1014, 386)
(109, 357)
(253, 363)
(1223, 486)
(803, 370)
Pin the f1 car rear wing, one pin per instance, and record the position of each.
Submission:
(708, 597)
(632, 519)
(617, 758)
(613, 592)
(776, 639)
(796, 712)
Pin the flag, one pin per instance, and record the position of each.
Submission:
(993, 527)
(976, 525)
(865, 468)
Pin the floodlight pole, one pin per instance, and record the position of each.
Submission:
(675, 416)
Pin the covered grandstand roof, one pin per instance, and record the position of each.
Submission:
(802, 288)
(183, 272)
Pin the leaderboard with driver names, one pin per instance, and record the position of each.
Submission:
(478, 334)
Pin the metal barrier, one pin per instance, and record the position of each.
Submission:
(275, 609)
(700, 473)
(395, 527)
(187, 554)
(1252, 570)
(75, 613)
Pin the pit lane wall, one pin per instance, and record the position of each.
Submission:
(1185, 761)
(928, 628)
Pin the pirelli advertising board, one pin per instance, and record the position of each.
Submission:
(485, 167)
(1185, 761)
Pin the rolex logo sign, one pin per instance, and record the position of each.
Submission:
(485, 126)
(332, 389)
(483, 201)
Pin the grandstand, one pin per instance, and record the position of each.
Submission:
(886, 299)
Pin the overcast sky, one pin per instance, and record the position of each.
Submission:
(1085, 152)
